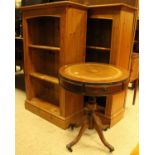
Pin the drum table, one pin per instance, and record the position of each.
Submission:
(93, 79)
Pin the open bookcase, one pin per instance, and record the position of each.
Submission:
(109, 35)
(49, 37)
(43, 52)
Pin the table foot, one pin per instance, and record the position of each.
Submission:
(68, 146)
(99, 131)
(83, 128)
(111, 149)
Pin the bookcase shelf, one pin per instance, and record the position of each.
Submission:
(45, 47)
(45, 77)
(98, 48)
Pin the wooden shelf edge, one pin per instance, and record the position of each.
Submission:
(98, 48)
(52, 48)
(100, 17)
(45, 77)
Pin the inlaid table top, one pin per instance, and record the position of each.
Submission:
(93, 73)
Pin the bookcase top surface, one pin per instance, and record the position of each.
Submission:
(54, 4)
(74, 4)
(112, 5)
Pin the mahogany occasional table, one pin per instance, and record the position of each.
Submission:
(93, 79)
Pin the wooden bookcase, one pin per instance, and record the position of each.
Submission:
(52, 38)
(109, 40)
(60, 33)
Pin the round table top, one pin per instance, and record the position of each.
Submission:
(93, 73)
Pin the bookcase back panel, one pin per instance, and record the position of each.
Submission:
(101, 103)
(46, 91)
(44, 31)
(99, 32)
(98, 56)
(44, 62)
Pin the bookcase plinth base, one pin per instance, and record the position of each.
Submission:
(54, 118)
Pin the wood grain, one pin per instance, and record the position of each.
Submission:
(52, 38)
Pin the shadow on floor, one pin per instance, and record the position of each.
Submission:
(19, 81)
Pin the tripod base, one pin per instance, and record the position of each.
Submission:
(91, 121)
